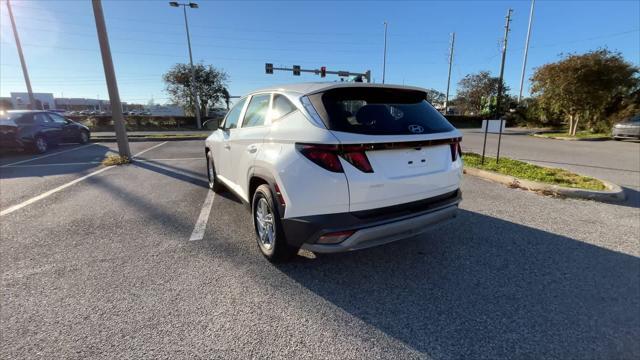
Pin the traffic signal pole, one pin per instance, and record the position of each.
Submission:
(269, 69)
(112, 84)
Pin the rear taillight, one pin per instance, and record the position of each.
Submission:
(456, 150)
(356, 156)
(325, 156)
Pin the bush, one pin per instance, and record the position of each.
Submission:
(139, 122)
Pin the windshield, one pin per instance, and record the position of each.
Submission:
(379, 111)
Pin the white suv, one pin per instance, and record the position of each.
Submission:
(333, 167)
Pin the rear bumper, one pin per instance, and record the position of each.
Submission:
(626, 132)
(374, 227)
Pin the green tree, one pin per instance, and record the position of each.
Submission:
(475, 92)
(211, 86)
(582, 87)
(435, 97)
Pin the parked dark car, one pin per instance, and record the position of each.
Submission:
(39, 130)
(629, 129)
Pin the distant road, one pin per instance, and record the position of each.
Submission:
(615, 161)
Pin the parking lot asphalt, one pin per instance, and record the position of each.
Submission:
(104, 269)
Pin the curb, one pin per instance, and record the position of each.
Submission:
(140, 139)
(612, 194)
(603, 138)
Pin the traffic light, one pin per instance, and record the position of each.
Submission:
(268, 68)
(323, 71)
(296, 70)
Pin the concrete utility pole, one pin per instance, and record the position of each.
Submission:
(384, 55)
(112, 85)
(194, 92)
(526, 50)
(446, 100)
(32, 101)
(497, 112)
(498, 100)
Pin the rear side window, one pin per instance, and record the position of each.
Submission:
(281, 107)
(231, 121)
(379, 111)
(41, 118)
(57, 118)
(257, 111)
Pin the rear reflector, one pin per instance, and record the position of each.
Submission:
(279, 196)
(335, 237)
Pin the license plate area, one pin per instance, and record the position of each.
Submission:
(416, 158)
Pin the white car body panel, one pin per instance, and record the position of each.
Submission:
(309, 189)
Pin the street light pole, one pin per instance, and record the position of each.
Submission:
(384, 56)
(194, 92)
(446, 99)
(526, 50)
(32, 101)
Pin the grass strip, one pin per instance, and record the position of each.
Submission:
(527, 171)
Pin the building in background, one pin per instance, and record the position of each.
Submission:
(165, 110)
(44, 101)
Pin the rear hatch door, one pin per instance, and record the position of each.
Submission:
(396, 148)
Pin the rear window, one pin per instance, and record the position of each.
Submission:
(15, 118)
(379, 111)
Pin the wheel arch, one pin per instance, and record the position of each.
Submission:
(259, 176)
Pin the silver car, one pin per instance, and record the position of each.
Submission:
(627, 129)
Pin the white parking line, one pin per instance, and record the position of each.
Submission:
(174, 159)
(201, 224)
(46, 156)
(61, 164)
(13, 208)
(99, 162)
(175, 171)
(149, 149)
(44, 195)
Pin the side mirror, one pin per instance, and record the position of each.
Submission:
(211, 124)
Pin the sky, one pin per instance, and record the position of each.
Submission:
(147, 37)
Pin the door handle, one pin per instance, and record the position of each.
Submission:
(252, 149)
(227, 146)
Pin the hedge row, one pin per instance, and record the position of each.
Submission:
(105, 123)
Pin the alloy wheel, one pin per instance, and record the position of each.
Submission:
(41, 144)
(265, 224)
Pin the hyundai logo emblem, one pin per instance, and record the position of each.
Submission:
(416, 129)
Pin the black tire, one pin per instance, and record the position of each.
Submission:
(40, 145)
(214, 183)
(279, 250)
(83, 137)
